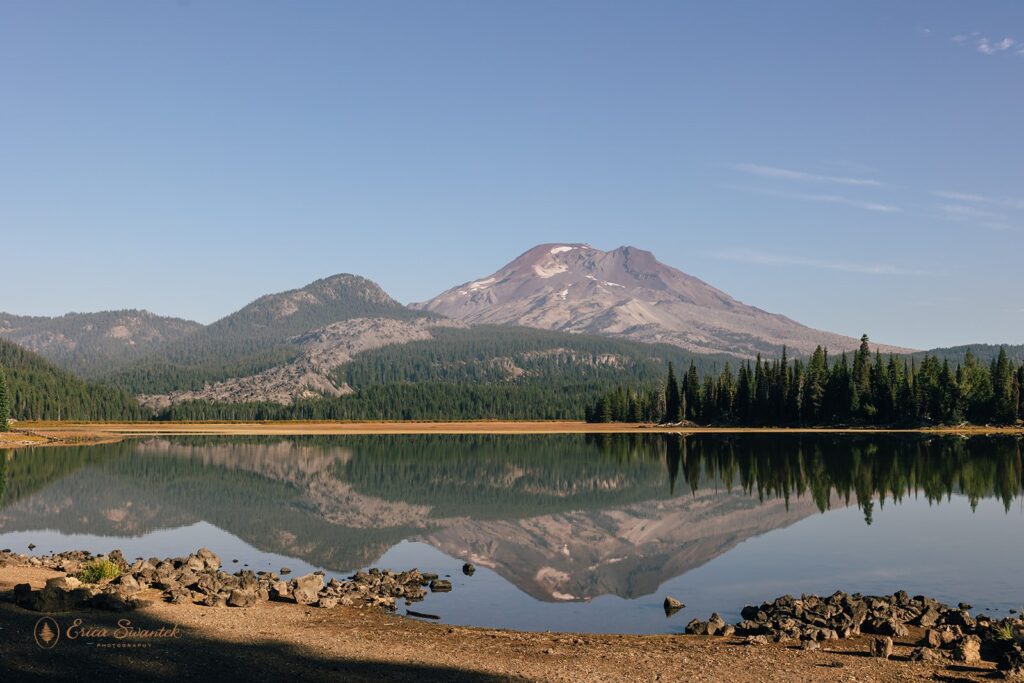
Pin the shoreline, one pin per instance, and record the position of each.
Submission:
(265, 638)
(51, 433)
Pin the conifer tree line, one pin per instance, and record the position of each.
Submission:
(863, 389)
(5, 403)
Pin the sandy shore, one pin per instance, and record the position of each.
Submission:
(278, 641)
(56, 433)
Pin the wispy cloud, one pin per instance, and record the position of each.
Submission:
(802, 176)
(1005, 202)
(963, 211)
(823, 198)
(775, 259)
(982, 218)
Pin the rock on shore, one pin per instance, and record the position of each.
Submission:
(949, 632)
(198, 578)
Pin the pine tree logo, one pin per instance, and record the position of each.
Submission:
(47, 633)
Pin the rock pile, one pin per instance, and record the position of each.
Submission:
(198, 578)
(948, 632)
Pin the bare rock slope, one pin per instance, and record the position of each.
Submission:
(309, 375)
(628, 293)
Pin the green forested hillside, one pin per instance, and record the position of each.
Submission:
(257, 336)
(501, 353)
(92, 344)
(984, 353)
(40, 390)
(487, 372)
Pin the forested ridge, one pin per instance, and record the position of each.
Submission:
(867, 389)
(93, 344)
(39, 390)
(256, 337)
(484, 372)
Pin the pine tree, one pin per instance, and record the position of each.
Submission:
(691, 391)
(1004, 408)
(673, 404)
(5, 404)
(862, 377)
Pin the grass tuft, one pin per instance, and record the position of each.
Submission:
(98, 570)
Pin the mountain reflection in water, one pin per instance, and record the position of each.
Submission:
(563, 518)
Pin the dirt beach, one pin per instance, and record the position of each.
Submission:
(274, 641)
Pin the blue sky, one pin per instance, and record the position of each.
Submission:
(856, 166)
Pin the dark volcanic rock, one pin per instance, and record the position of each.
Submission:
(241, 598)
(672, 605)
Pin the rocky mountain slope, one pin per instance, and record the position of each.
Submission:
(259, 336)
(91, 343)
(309, 375)
(628, 293)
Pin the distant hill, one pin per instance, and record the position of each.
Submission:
(259, 336)
(481, 372)
(39, 390)
(983, 352)
(90, 344)
(626, 293)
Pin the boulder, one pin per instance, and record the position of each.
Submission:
(112, 601)
(468, 569)
(928, 618)
(697, 628)
(967, 649)
(240, 598)
(881, 647)
(127, 584)
(672, 605)
(306, 589)
(327, 603)
(280, 590)
(64, 583)
(208, 583)
(927, 655)
(209, 558)
(440, 586)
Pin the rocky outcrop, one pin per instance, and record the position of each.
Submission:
(309, 375)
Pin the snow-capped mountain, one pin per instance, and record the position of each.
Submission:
(625, 292)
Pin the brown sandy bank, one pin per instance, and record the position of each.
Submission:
(41, 433)
(278, 641)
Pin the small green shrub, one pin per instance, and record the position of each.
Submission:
(98, 570)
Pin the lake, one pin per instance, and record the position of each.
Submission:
(568, 532)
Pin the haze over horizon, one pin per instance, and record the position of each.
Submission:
(856, 168)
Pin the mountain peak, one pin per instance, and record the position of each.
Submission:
(624, 292)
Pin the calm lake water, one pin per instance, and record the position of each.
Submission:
(583, 533)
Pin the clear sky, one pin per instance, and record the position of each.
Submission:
(854, 165)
